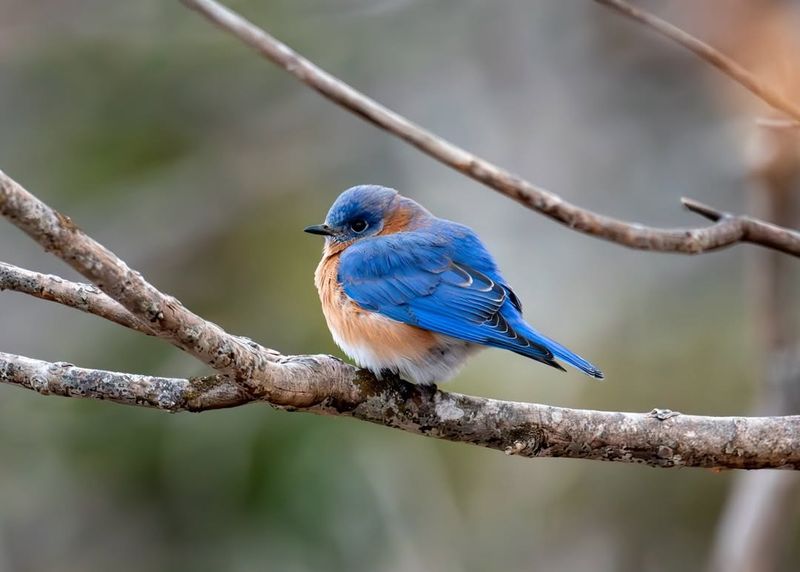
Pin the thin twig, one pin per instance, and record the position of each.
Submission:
(686, 241)
(711, 55)
(84, 297)
(702, 209)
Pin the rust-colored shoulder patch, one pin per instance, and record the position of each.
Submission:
(398, 221)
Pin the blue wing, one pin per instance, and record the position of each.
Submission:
(423, 279)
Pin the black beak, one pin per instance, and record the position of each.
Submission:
(322, 229)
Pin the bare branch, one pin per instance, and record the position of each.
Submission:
(758, 230)
(170, 394)
(164, 315)
(325, 385)
(265, 373)
(714, 57)
(83, 297)
(687, 241)
(660, 438)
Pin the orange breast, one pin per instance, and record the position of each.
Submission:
(360, 332)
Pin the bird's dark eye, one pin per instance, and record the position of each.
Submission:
(359, 225)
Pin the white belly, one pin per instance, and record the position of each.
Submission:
(440, 363)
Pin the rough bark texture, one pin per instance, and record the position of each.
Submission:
(84, 297)
(661, 438)
(728, 230)
(169, 394)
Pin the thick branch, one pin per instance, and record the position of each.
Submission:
(83, 297)
(687, 241)
(659, 439)
(714, 57)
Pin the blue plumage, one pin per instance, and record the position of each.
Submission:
(431, 273)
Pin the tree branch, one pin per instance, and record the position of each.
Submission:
(660, 438)
(264, 373)
(757, 230)
(714, 57)
(83, 297)
(164, 315)
(724, 233)
(169, 394)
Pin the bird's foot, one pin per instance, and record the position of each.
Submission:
(389, 375)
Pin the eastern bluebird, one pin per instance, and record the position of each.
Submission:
(409, 293)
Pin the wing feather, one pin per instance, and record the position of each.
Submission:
(423, 280)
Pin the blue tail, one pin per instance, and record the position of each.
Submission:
(559, 351)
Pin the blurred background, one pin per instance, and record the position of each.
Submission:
(199, 164)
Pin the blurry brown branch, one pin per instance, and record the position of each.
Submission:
(659, 439)
(777, 123)
(756, 230)
(713, 56)
(247, 372)
(727, 231)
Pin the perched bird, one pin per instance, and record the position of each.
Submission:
(407, 293)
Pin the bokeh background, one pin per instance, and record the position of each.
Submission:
(199, 164)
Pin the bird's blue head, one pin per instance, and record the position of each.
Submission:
(364, 211)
